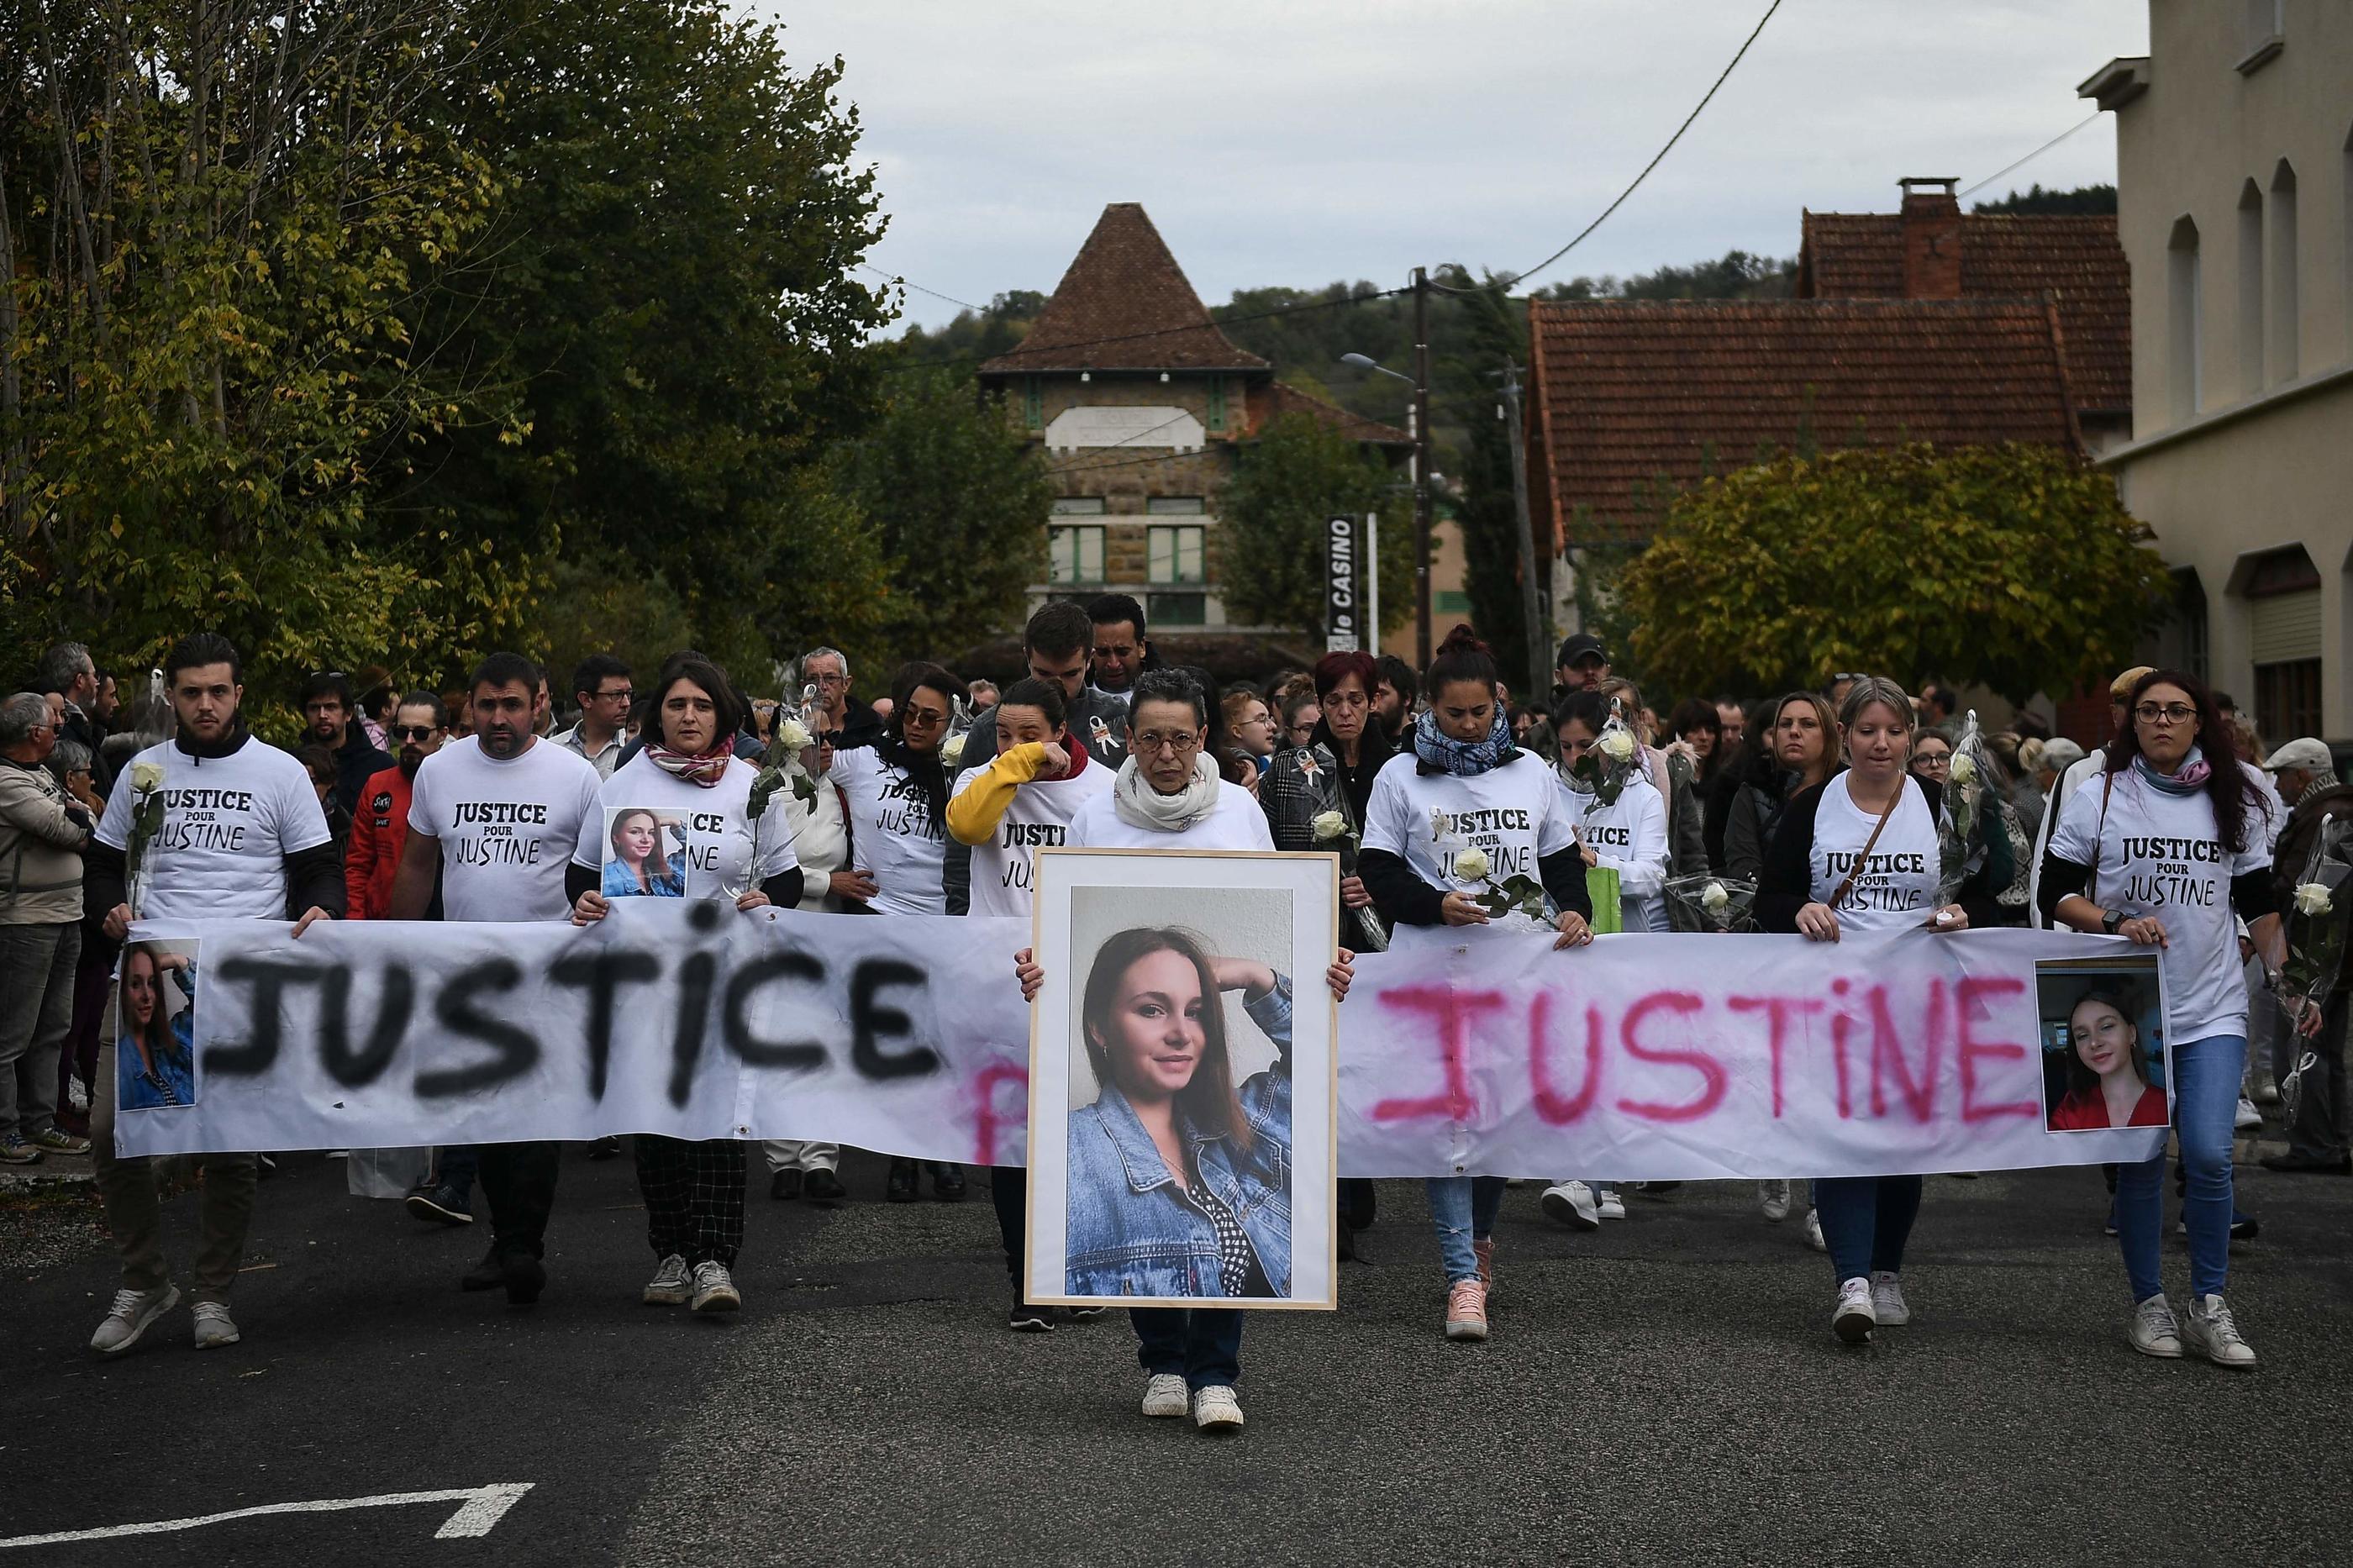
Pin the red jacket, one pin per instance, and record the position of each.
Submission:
(2082, 1112)
(379, 832)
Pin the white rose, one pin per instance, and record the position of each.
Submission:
(1714, 898)
(145, 776)
(1472, 865)
(1618, 745)
(951, 750)
(2311, 897)
(1328, 825)
(794, 735)
(1963, 770)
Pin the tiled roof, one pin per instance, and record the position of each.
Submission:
(1123, 305)
(1277, 398)
(1860, 255)
(1627, 395)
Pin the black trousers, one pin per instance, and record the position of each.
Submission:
(519, 1181)
(694, 1197)
(1008, 1190)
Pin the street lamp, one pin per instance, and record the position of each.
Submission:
(1416, 423)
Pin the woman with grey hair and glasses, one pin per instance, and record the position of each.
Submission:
(1857, 856)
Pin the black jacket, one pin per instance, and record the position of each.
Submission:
(356, 762)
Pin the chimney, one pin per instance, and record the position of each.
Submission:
(1932, 238)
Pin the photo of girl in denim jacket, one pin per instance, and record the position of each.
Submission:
(156, 1058)
(1179, 1180)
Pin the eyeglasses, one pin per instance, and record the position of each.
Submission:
(831, 680)
(1153, 741)
(2170, 713)
(1937, 759)
(623, 695)
(413, 732)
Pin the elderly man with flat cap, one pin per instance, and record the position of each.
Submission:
(2316, 1142)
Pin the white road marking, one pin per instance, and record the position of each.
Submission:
(484, 1507)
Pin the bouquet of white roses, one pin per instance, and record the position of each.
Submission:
(146, 821)
(1331, 829)
(780, 768)
(1958, 854)
(2315, 920)
(1713, 903)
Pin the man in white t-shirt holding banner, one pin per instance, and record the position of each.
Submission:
(241, 836)
(496, 815)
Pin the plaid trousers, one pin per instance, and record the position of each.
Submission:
(694, 1197)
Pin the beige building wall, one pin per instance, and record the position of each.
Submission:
(2235, 192)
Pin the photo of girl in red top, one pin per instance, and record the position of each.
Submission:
(2107, 1081)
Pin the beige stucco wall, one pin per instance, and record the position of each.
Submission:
(2261, 462)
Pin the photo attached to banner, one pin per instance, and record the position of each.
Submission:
(2101, 1022)
(156, 1027)
(1183, 1080)
(646, 854)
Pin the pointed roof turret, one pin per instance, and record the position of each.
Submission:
(1124, 304)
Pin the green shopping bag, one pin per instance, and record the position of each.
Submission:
(1602, 887)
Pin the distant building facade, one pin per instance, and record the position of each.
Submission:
(2234, 157)
(1143, 408)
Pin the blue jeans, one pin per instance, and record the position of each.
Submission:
(1866, 1220)
(1201, 1344)
(2205, 1100)
(1464, 1209)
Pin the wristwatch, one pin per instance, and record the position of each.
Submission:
(2109, 920)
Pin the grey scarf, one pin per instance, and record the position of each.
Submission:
(1140, 805)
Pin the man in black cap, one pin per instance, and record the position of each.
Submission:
(1583, 666)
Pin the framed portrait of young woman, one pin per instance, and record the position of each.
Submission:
(1184, 1080)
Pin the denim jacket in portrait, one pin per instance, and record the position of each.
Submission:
(1132, 1231)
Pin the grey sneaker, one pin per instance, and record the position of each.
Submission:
(1773, 1200)
(129, 1317)
(714, 1290)
(15, 1150)
(58, 1140)
(1165, 1394)
(669, 1286)
(215, 1327)
(2212, 1333)
(1215, 1409)
(2153, 1330)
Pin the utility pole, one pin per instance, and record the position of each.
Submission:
(1539, 635)
(1422, 466)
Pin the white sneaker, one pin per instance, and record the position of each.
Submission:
(1887, 1300)
(714, 1290)
(1854, 1316)
(1215, 1409)
(2153, 1330)
(1773, 1200)
(1609, 1206)
(2211, 1333)
(1164, 1395)
(1571, 1202)
(1814, 1231)
(215, 1327)
(669, 1286)
(129, 1317)
(2248, 1118)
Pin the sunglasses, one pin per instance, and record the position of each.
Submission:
(413, 732)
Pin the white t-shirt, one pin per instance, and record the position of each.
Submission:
(1897, 890)
(710, 822)
(506, 827)
(1629, 836)
(1038, 818)
(892, 836)
(1235, 822)
(2156, 854)
(228, 824)
(1515, 815)
(2070, 784)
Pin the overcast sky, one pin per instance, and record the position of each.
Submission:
(1297, 141)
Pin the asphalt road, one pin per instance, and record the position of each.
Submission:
(1667, 1390)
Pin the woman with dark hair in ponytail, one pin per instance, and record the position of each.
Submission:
(1458, 809)
(898, 796)
(2169, 844)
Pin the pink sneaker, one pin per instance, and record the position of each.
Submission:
(1485, 1252)
(1466, 1310)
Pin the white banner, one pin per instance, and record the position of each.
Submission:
(1641, 1058)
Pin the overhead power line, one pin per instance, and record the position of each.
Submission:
(1998, 173)
(1657, 158)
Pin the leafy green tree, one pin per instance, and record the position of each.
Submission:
(959, 506)
(217, 221)
(672, 304)
(2013, 567)
(1270, 539)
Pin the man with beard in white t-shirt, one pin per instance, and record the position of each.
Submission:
(495, 816)
(242, 837)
